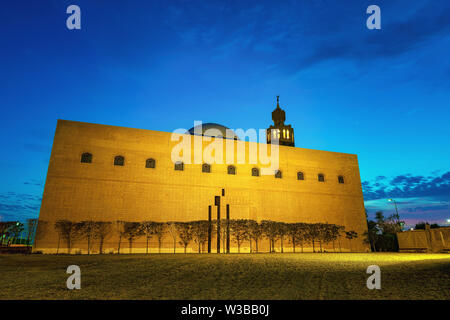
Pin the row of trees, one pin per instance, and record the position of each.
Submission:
(10, 231)
(197, 233)
(382, 232)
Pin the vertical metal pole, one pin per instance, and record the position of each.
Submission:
(218, 228)
(209, 229)
(228, 228)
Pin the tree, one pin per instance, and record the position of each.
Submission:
(371, 235)
(159, 230)
(292, 234)
(387, 229)
(255, 232)
(238, 229)
(87, 231)
(120, 228)
(200, 232)
(31, 229)
(322, 234)
(282, 231)
(101, 231)
(132, 230)
(15, 230)
(334, 232)
(4, 230)
(172, 230)
(421, 225)
(313, 231)
(270, 230)
(69, 231)
(351, 235)
(41, 231)
(185, 233)
(302, 234)
(223, 232)
(148, 229)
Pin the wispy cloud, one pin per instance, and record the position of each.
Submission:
(408, 186)
(418, 197)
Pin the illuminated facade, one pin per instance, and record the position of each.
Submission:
(107, 173)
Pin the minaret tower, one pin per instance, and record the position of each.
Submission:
(285, 133)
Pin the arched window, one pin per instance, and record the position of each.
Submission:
(150, 163)
(231, 170)
(300, 176)
(86, 157)
(119, 160)
(321, 177)
(206, 168)
(179, 166)
(278, 174)
(255, 172)
(341, 179)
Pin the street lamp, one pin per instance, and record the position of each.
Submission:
(396, 210)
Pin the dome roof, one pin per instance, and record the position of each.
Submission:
(220, 131)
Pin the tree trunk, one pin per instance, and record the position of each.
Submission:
(130, 240)
(314, 249)
(159, 244)
(101, 245)
(281, 244)
(256, 243)
(185, 248)
(118, 247)
(239, 246)
(293, 244)
(340, 248)
(89, 245)
(57, 249)
(250, 245)
(174, 245)
(146, 249)
(320, 244)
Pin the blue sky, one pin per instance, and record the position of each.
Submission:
(381, 94)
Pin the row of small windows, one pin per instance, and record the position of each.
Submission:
(179, 166)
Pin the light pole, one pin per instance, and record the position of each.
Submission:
(396, 210)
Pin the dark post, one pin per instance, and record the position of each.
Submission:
(228, 228)
(217, 202)
(209, 229)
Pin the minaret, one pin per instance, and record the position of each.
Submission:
(285, 133)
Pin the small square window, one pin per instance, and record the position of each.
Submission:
(206, 168)
(179, 166)
(278, 174)
(150, 163)
(119, 161)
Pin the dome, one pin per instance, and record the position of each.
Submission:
(220, 131)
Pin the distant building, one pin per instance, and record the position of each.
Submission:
(107, 173)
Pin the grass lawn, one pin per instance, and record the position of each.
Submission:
(233, 276)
